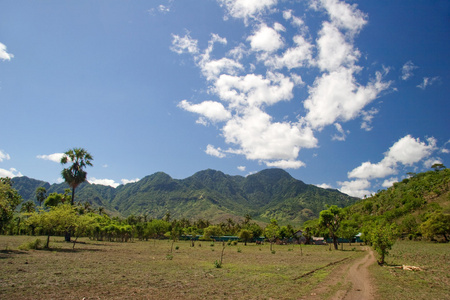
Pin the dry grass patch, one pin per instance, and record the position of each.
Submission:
(141, 270)
(433, 281)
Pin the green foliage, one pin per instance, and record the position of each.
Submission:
(213, 230)
(331, 219)
(436, 225)
(55, 199)
(35, 245)
(382, 237)
(208, 195)
(9, 200)
(75, 174)
(41, 194)
(217, 264)
(245, 235)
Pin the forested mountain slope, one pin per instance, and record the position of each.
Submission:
(209, 194)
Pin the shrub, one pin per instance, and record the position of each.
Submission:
(217, 264)
(36, 244)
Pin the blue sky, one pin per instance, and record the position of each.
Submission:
(347, 95)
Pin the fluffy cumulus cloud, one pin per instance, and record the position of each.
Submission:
(4, 55)
(407, 151)
(111, 182)
(184, 44)
(11, 173)
(107, 182)
(356, 188)
(55, 157)
(266, 39)
(214, 111)
(265, 68)
(336, 96)
(246, 9)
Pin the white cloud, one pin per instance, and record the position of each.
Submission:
(214, 111)
(355, 188)
(266, 39)
(163, 8)
(427, 82)
(389, 182)
(258, 138)
(409, 150)
(368, 170)
(367, 117)
(286, 164)
(55, 157)
(342, 133)
(431, 161)
(184, 44)
(334, 50)
(4, 156)
(217, 152)
(4, 55)
(126, 181)
(337, 96)
(245, 9)
(254, 90)
(406, 151)
(324, 186)
(11, 173)
(343, 15)
(241, 168)
(107, 182)
(294, 57)
(407, 70)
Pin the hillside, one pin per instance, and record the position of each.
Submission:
(408, 203)
(208, 194)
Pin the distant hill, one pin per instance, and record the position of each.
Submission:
(208, 194)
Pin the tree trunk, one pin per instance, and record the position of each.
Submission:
(335, 242)
(67, 236)
(73, 195)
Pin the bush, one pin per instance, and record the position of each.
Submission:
(36, 245)
(217, 264)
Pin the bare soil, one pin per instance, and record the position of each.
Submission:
(350, 280)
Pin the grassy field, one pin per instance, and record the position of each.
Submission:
(145, 270)
(433, 282)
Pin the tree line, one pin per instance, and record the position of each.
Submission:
(400, 211)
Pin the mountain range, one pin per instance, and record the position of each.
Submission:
(208, 194)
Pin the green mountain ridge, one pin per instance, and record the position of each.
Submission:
(207, 194)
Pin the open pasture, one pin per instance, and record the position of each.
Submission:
(146, 270)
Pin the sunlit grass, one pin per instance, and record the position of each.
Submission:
(433, 282)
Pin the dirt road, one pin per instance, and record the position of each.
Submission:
(349, 281)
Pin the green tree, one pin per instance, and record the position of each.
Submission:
(55, 199)
(438, 167)
(272, 232)
(331, 219)
(75, 174)
(382, 237)
(245, 235)
(9, 200)
(59, 219)
(437, 224)
(349, 229)
(41, 195)
(28, 207)
(213, 230)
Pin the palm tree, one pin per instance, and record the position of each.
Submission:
(75, 174)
